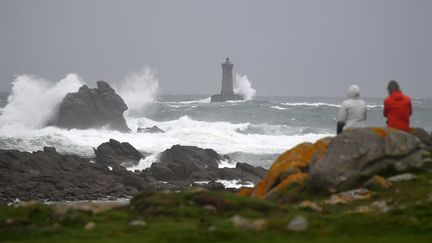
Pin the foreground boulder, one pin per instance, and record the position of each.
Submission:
(115, 153)
(92, 108)
(357, 157)
(289, 169)
(358, 154)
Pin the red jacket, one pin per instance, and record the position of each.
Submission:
(397, 109)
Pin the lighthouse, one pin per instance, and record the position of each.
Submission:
(227, 92)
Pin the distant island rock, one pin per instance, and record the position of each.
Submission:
(100, 107)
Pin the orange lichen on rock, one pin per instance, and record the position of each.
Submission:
(287, 169)
(380, 131)
(245, 191)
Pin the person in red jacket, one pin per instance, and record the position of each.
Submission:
(397, 108)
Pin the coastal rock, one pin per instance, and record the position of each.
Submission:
(360, 153)
(92, 108)
(185, 162)
(116, 153)
(48, 175)
(154, 129)
(243, 172)
(193, 163)
(422, 135)
(290, 168)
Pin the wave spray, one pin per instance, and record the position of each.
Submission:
(243, 87)
(137, 90)
(34, 101)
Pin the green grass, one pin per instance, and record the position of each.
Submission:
(181, 217)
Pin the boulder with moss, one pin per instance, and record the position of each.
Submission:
(289, 169)
(358, 154)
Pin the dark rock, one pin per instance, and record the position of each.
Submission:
(48, 175)
(50, 150)
(193, 163)
(180, 162)
(135, 181)
(357, 154)
(214, 186)
(153, 129)
(116, 153)
(119, 170)
(92, 108)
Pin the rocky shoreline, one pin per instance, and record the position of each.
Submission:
(50, 176)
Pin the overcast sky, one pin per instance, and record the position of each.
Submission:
(295, 48)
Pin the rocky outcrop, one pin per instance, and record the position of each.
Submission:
(358, 154)
(92, 108)
(183, 163)
(48, 175)
(289, 169)
(242, 171)
(357, 157)
(186, 162)
(115, 153)
(154, 129)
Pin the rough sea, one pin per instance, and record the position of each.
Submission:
(254, 131)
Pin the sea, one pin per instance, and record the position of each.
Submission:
(255, 131)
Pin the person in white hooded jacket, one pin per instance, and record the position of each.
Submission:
(353, 111)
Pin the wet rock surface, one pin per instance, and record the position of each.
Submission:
(194, 163)
(116, 153)
(48, 175)
(100, 107)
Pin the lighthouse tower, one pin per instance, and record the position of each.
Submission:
(227, 92)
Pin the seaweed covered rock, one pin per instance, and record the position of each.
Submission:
(290, 168)
(358, 154)
(116, 153)
(92, 108)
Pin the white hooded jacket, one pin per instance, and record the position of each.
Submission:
(353, 110)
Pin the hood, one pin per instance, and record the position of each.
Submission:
(354, 92)
(396, 95)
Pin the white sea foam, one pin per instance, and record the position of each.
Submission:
(34, 101)
(318, 104)
(243, 87)
(227, 164)
(278, 107)
(230, 183)
(145, 163)
(321, 104)
(200, 101)
(138, 89)
(224, 137)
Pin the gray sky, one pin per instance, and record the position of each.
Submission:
(296, 48)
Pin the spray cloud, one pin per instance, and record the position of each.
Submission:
(243, 87)
(137, 90)
(34, 101)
